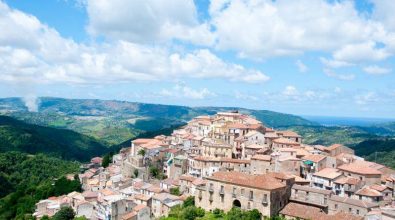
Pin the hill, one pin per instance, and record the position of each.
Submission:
(114, 122)
(25, 179)
(328, 135)
(19, 136)
(385, 148)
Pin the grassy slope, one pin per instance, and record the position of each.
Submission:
(16, 135)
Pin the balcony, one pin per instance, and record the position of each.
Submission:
(264, 201)
(211, 189)
(222, 192)
(233, 195)
(210, 199)
(251, 198)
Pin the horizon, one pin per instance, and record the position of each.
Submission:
(336, 63)
(307, 117)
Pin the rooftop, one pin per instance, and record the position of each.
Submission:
(265, 182)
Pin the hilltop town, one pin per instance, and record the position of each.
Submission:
(231, 160)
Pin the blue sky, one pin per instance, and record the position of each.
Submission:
(333, 58)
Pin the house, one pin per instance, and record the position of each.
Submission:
(347, 186)
(267, 193)
(162, 203)
(349, 205)
(291, 135)
(363, 171)
(310, 196)
(325, 178)
(337, 149)
(261, 164)
(312, 163)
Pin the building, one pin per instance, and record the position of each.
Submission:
(267, 193)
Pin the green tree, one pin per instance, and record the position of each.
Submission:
(80, 218)
(65, 213)
(190, 201)
(175, 191)
(141, 152)
(154, 171)
(106, 161)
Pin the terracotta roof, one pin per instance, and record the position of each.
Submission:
(129, 215)
(237, 125)
(188, 178)
(139, 207)
(314, 157)
(285, 141)
(359, 168)
(348, 180)
(255, 146)
(311, 189)
(328, 173)
(266, 182)
(366, 191)
(142, 197)
(355, 202)
(379, 188)
(261, 157)
(334, 146)
(288, 133)
(199, 181)
(344, 216)
(303, 211)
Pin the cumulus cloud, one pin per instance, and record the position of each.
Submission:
(145, 21)
(376, 70)
(33, 52)
(260, 28)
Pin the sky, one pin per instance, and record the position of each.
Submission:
(305, 57)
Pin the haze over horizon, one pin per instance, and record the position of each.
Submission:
(326, 58)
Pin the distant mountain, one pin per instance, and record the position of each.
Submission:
(19, 136)
(114, 122)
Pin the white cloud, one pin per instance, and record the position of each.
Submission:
(244, 96)
(301, 66)
(290, 91)
(144, 21)
(344, 77)
(33, 52)
(361, 52)
(260, 28)
(184, 91)
(376, 70)
(334, 63)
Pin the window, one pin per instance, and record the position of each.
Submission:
(349, 209)
(222, 198)
(360, 197)
(251, 197)
(357, 211)
(242, 192)
(335, 206)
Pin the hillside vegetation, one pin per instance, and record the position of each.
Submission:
(19, 136)
(385, 149)
(323, 135)
(114, 122)
(25, 179)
